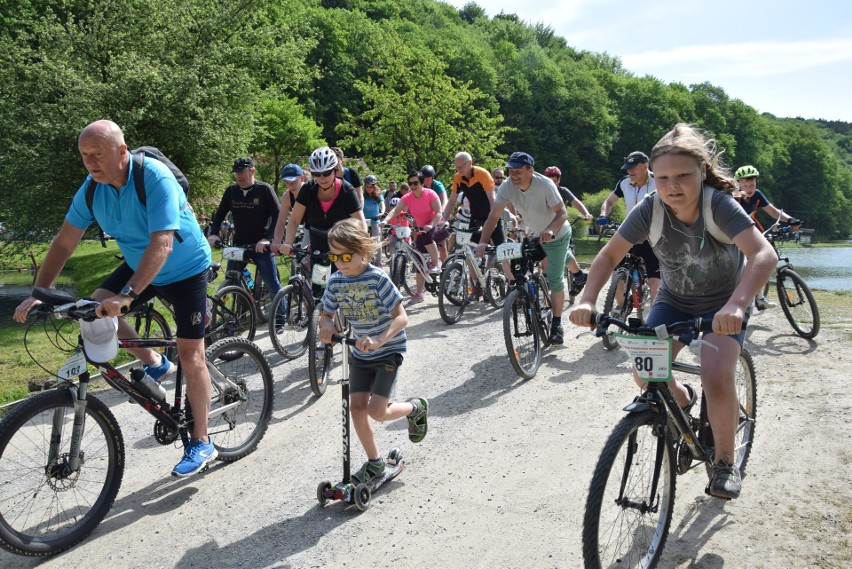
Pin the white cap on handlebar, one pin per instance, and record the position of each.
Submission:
(100, 338)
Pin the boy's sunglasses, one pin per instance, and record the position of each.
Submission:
(345, 257)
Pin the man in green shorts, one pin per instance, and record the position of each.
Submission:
(538, 202)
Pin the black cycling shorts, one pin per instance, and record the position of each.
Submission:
(652, 264)
(188, 298)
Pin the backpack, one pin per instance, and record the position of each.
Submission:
(137, 159)
(658, 216)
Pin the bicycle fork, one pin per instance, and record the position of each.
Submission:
(78, 396)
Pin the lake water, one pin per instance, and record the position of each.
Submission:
(11, 296)
(824, 268)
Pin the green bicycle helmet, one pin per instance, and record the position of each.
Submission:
(746, 172)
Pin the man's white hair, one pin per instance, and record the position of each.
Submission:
(463, 156)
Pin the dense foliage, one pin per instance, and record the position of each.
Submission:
(397, 83)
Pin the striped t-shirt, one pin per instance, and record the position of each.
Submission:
(367, 302)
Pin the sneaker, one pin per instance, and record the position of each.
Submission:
(578, 282)
(368, 471)
(557, 335)
(435, 269)
(725, 482)
(417, 425)
(415, 299)
(761, 303)
(195, 457)
(160, 371)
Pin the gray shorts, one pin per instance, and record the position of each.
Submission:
(374, 376)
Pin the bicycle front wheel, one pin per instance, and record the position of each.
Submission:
(617, 304)
(798, 303)
(402, 274)
(624, 524)
(319, 357)
(452, 292)
(288, 328)
(241, 402)
(45, 507)
(520, 332)
(746, 384)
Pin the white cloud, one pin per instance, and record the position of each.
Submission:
(749, 59)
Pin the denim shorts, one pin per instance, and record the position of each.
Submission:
(662, 313)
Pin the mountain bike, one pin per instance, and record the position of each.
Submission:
(628, 291)
(407, 261)
(254, 286)
(296, 307)
(632, 492)
(62, 451)
(454, 293)
(527, 312)
(795, 297)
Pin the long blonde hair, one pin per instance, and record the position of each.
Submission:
(688, 140)
(349, 234)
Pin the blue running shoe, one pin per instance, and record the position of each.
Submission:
(160, 372)
(195, 457)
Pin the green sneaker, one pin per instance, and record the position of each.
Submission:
(417, 420)
(368, 471)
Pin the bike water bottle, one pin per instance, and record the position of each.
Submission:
(247, 276)
(148, 384)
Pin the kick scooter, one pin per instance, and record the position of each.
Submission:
(346, 490)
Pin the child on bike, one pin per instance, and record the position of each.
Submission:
(700, 276)
(372, 305)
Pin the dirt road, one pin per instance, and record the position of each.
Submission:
(500, 481)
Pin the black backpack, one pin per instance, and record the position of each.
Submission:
(137, 157)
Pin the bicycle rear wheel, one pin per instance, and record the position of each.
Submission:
(241, 403)
(520, 332)
(798, 303)
(319, 357)
(45, 507)
(452, 292)
(624, 525)
(233, 315)
(617, 305)
(496, 287)
(288, 329)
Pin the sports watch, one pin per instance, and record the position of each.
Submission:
(129, 292)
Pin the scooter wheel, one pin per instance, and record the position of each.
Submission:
(362, 497)
(324, 486)
(394, 456)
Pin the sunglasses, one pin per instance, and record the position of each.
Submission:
(323, 174)
(414, 182)
(345, 257)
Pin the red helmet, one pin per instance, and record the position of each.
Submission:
(552, 171)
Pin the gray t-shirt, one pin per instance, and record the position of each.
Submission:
(535, 204)
(694, 279)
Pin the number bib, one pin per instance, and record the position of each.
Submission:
(652, 358)
(233, 253)
(74, 367)
(320, 274)
(463, 237)
(509, 251)
(403, 232)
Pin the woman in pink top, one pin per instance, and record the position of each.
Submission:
(425, 207)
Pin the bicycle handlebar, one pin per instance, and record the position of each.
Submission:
(251, 248)
(685, 330)
(342, 339)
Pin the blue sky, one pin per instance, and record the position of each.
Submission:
(783, 57)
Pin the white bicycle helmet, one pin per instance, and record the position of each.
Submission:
(322, 159)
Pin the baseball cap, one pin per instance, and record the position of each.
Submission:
(100, 338)
(241, 164)
(291, 172)
(634, 158)
(520, 159)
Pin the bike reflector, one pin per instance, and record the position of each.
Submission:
(233, 253)
(320, 273)
(463, 237)
(508, 251)
(651, 357)
(402, 232)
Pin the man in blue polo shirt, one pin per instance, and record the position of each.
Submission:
(165, 255)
